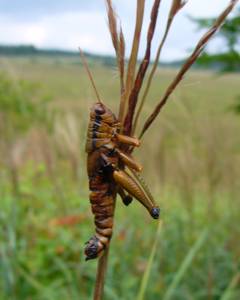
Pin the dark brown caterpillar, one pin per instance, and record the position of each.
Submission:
(107, 179)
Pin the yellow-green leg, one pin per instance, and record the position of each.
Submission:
(129, 184)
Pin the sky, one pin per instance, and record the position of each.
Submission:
(68, 24)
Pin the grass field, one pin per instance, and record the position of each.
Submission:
(191, 160)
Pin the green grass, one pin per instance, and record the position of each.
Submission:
(191, 159)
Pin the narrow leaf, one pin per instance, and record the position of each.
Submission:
(133, 56)
(121, 58)
(118, 43)
(132, 102)
(189, 62)
(229, 292)
(176, 6)
(146, 274)
(112, 23)
(34, 283)
(185, 265)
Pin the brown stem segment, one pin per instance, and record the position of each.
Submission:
(133, 98)
(176, 6)
(133, 58)
(100, 277)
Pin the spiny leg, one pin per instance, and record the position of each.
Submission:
(129, 184)
(133, 188)
(135, 169)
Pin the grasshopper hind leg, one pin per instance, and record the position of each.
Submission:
(126, 182)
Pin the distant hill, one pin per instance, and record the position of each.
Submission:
(73, 57)
(29, 50)
(32, 51)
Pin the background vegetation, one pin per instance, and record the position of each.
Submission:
(191, 159)
(227, 57)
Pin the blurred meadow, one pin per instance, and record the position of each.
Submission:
(191, 160)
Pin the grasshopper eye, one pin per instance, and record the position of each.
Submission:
(99, 110)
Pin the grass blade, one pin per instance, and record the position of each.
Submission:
(133, 56)
(189, 62)
(117, 41)
(146, 274)
(112, 23)
(228, 294)
(121, 59)
(185, 265)
(34, 283)
(133, 98)
(135, 44)
(177, 5)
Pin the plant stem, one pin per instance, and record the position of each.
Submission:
(102, 270)
(100, 277)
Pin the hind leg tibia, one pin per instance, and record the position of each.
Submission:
(129, 184)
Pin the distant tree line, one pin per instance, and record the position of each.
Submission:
(30, 50)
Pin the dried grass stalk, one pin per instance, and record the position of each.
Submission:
(132, 102)
(100, 277)
(133, 56)
(177, 5)
(117, 40)
(112, 23)
(121, 58)
(189, 62)
(121, 70)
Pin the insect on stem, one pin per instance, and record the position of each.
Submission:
(85, 64)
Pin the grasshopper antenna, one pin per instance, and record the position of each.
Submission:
(85, 64)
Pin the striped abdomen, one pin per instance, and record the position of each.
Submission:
(101, 184)
(107, 176)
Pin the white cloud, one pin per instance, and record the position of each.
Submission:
(35, 34)
(205, 8)
(63, 30)
(88, 28)
(71, 30)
